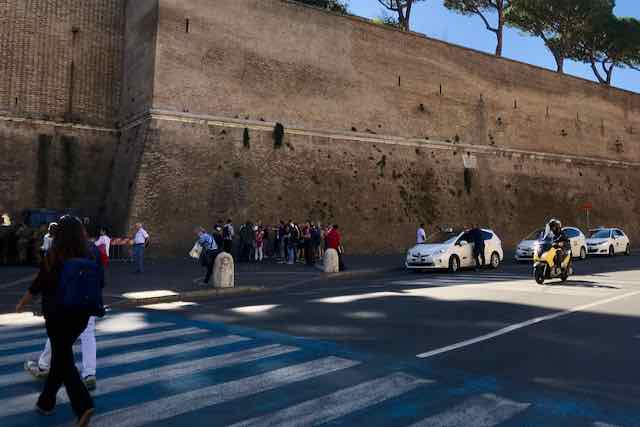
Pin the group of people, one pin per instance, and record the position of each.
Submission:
(288, 242)
(66, 241)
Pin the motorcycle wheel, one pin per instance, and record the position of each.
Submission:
(565, 275)
(539, 274)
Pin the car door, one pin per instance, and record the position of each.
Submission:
(465, 252)
(618, 241)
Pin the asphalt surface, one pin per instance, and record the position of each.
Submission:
(471, 349)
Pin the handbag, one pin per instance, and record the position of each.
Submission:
(196, 251)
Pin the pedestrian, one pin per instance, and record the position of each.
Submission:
(294, 239)
(104, 245)
(280, 240)
(209, 252)
(217, 235)
(247, 237)
(63, 324)
(421, 235)
(23, 235)
(47, 240)
(259, 239)
(307, 243)
(316, 240)
(140, 242)
(334, 241)
(477, 235)
(227, 236)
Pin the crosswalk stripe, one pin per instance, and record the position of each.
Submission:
(137, 356)
(182, 403)
(330, 407)
(14, 333)
(113, 342)
(486, 410)
(165, 373)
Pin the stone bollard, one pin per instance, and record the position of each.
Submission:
(331, 264)
(223, 271)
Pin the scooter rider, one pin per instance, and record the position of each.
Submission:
(560, 241)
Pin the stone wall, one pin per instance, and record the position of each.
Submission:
(61, 60)
(280, 61)
(53, 165)
(195, 170)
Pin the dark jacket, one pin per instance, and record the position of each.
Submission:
(47, 281)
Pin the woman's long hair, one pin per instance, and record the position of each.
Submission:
(70, 241)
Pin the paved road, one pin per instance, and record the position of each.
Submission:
(473, 349)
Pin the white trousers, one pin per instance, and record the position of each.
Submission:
(259, 253)
(88, 344)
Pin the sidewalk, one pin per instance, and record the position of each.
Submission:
(180, 276)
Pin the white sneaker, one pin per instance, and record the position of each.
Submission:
(31, 366)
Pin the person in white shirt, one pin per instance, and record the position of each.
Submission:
(140, 241)
(47, 240)
(104, 240)
(421, 236)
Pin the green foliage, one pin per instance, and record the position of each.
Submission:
(338, 6)
(611, 42)
(560, 24)
(402, 9)
(278, 135)
(246, 139)
(483, 8)
(388, 20)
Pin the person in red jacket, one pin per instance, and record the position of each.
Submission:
(334, 241)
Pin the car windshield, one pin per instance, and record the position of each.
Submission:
(442, 237)
(536, 235)
(600, 234)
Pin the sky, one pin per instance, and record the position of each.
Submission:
(434, 20)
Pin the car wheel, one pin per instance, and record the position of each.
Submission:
(583, 253)
(495, 260)
(612, 252)
(454, 264)
(627, 251)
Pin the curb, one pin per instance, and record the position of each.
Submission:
(360, 273)
(190, 295)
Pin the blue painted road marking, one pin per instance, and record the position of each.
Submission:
(164, 370)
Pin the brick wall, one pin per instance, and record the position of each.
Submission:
(285, 62)
(377, 189)
(51, 165)
(60, 60)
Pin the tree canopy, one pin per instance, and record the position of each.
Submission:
(483, 9)
(611, 42)
(402, 8)
(339, 6)
(560, 24)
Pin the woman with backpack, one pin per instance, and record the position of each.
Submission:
(70, 281)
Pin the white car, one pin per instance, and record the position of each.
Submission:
(524, 251)
(452, 250)
(608, 241)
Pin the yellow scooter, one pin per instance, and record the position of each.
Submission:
(544, 266)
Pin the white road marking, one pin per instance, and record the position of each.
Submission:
(486, 410)
(149, 294)
(110, 343)
(601, 424)
(521, 325)
(330, 407)
(137, 356)
(166, 373)
(184, 403)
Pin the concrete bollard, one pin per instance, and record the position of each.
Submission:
(331, 264)
(223, 271)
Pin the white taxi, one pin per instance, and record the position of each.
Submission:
(608, 241)
(524, 250)
(453, 250)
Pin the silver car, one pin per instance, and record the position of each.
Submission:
(524, 250)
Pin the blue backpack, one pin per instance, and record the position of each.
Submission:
(80, 287)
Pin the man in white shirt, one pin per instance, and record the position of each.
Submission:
(47, 240)
(140, 241)
(421, 236)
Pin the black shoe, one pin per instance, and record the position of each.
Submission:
(45, 412)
